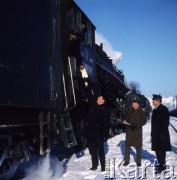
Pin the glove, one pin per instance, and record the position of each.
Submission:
(133, 126)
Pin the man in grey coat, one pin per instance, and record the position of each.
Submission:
(159, 132)
(135, 119)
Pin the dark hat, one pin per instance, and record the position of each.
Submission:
(136, 101)
(156, 97)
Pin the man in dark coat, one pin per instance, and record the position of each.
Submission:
(96, 131)
(135, 119)
(159, 131)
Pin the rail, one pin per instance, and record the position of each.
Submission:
(175, 119)
(64, 88)
(72, 84)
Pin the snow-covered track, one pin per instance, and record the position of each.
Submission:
(173, 123)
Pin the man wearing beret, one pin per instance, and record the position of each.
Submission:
(159, 132)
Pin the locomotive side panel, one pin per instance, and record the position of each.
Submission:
(27, 57)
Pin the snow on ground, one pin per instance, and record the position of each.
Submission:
(77, 166)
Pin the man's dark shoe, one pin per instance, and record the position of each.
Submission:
(160, 169)
(102, 168)
(93, 168)
(138, 164)
(157, 165)
(125, 163)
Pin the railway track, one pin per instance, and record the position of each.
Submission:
(173, 123)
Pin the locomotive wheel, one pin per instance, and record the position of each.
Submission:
(8, 169)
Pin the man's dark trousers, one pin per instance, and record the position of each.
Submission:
(161, 156)
(96, 148)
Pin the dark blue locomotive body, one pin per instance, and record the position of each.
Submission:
(25, 55)
(43, 98)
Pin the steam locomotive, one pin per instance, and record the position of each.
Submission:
(134, 94)
(44, 47)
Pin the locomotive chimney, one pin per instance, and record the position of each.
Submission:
(101, 46)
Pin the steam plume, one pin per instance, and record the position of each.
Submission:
(116, 56)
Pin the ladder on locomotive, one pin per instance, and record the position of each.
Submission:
(44, 131)
(66, 131)
(66, 128)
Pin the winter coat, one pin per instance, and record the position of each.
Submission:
(134, 136)
(96, 126)
(159, 129)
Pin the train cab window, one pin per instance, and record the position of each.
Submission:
(74, 20)
(89, 34)
(79, 26)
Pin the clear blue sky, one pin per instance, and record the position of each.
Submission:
(145, 32)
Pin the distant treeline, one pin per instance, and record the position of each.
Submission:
(173, 113)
